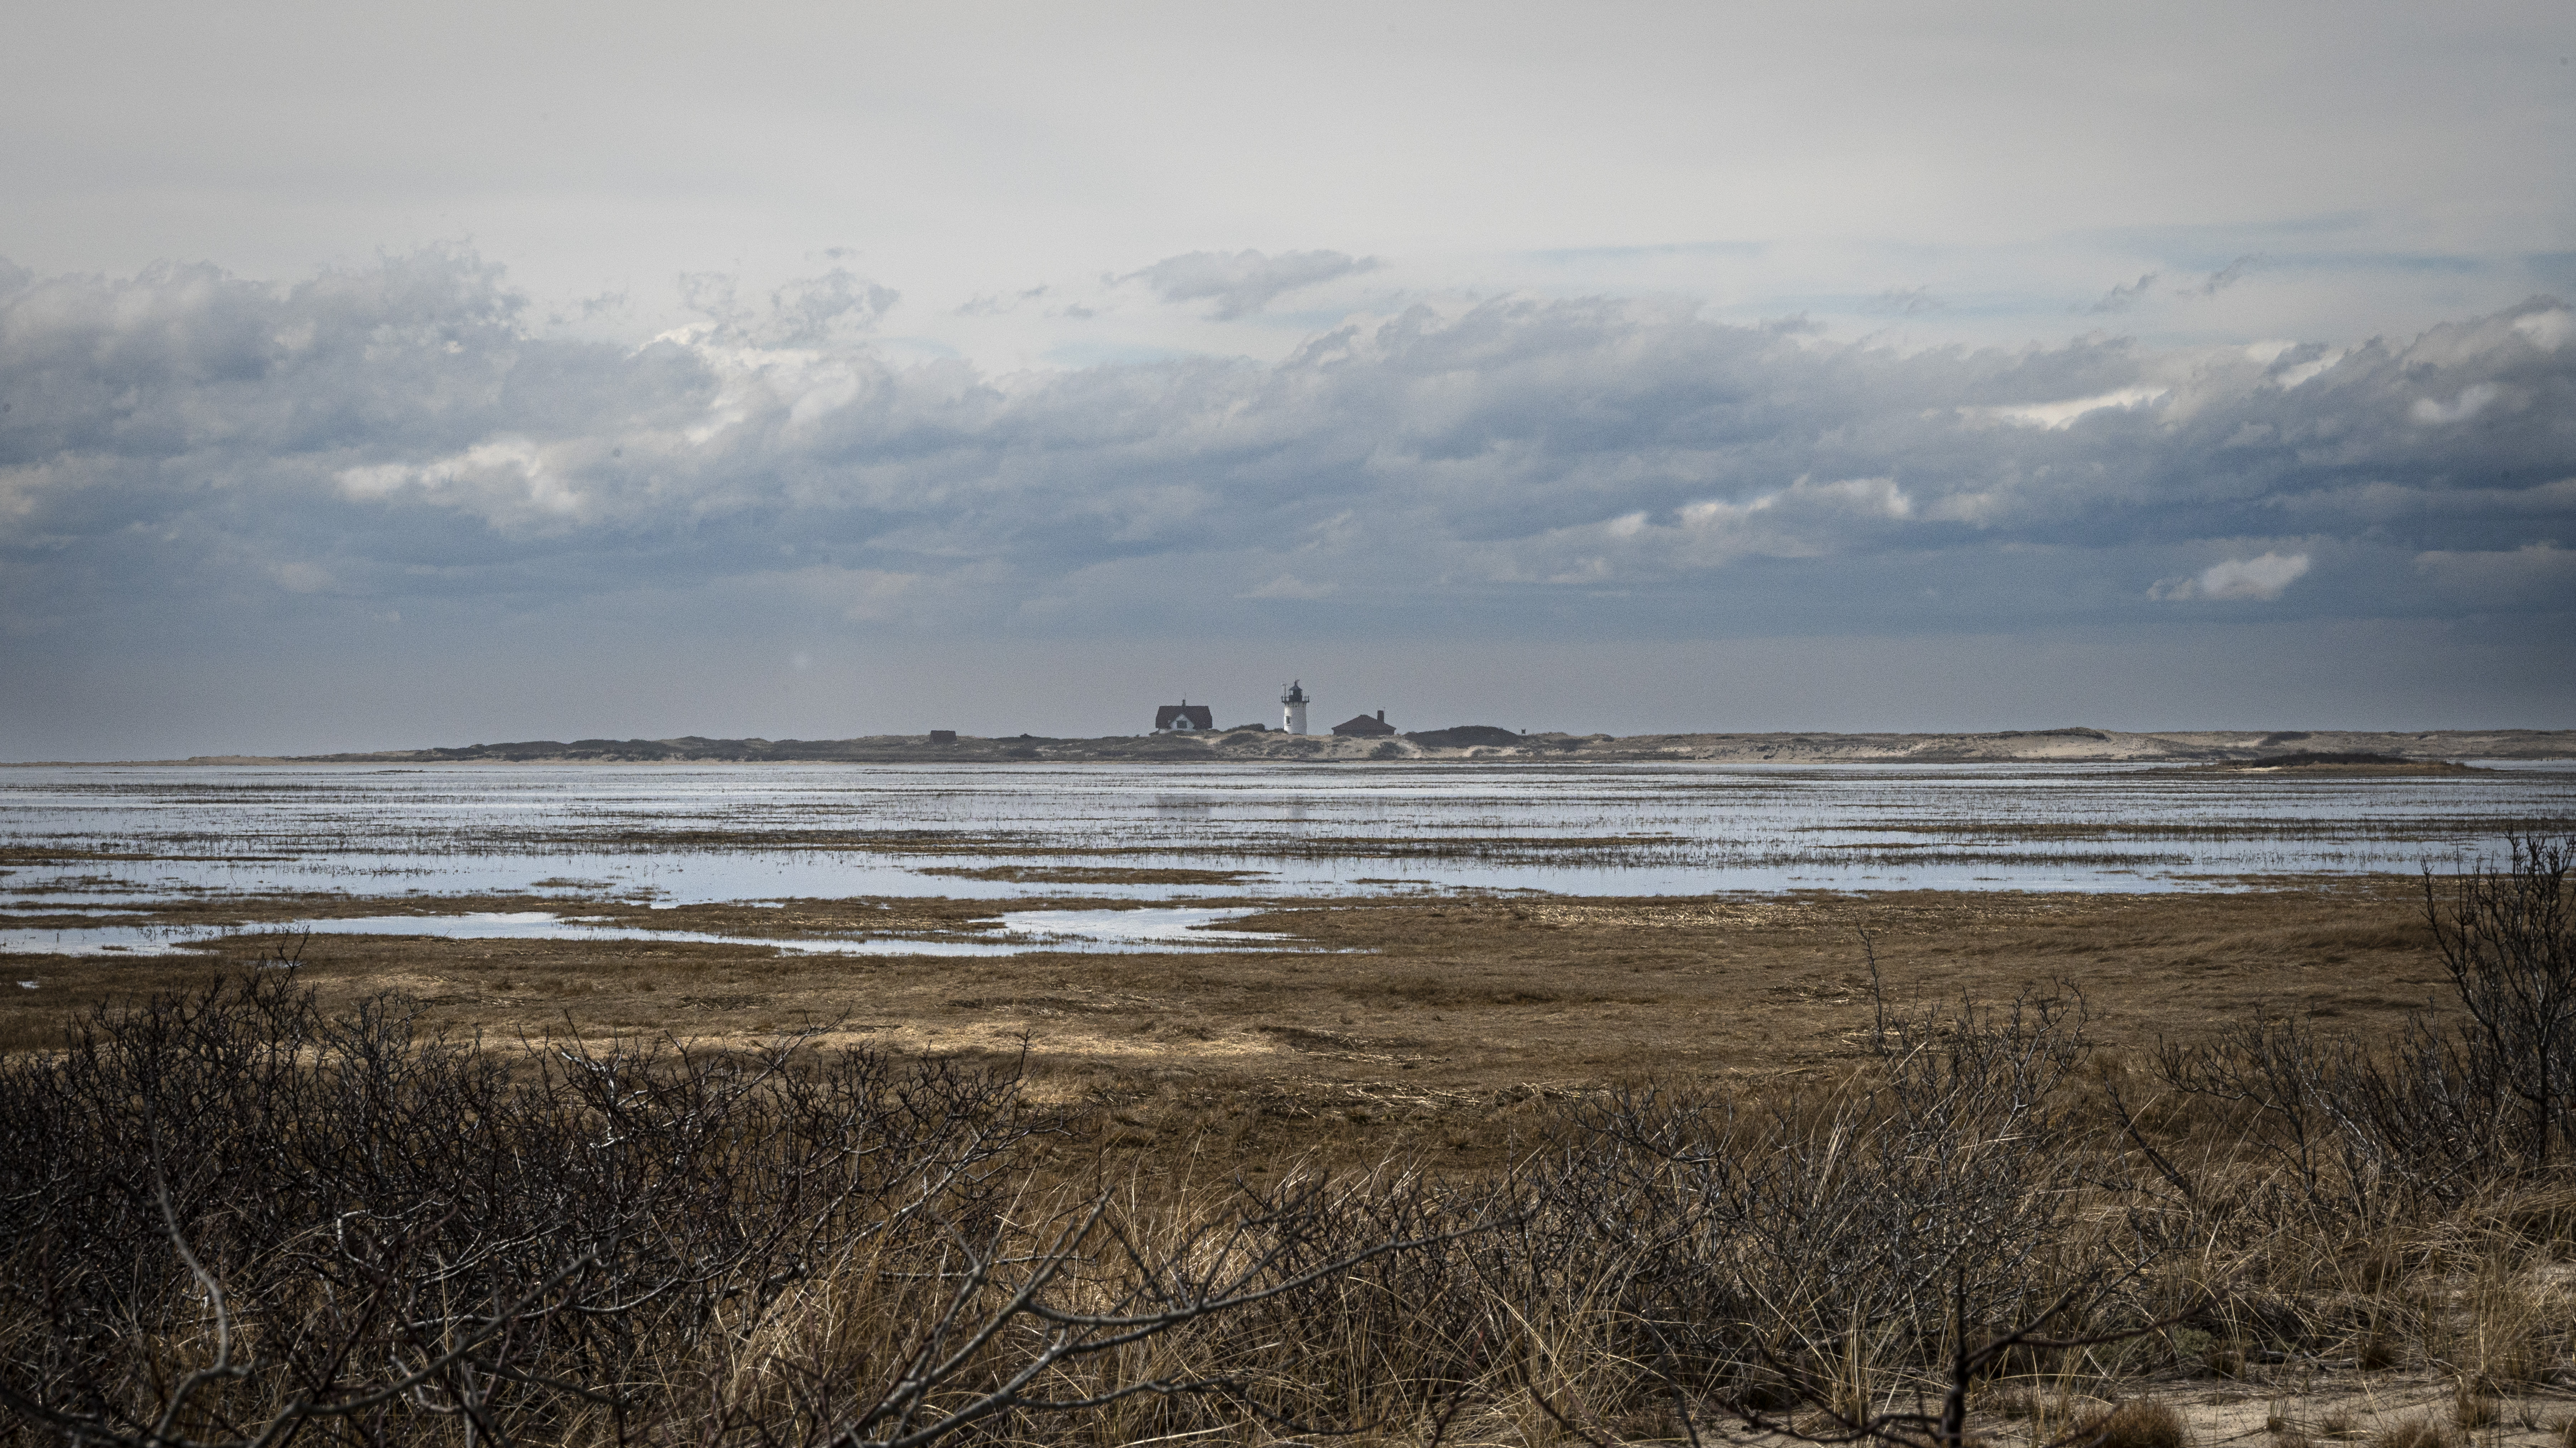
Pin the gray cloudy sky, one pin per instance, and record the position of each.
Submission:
(374, 376)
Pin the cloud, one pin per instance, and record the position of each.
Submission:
(815, 311)
(1904, 302)
(2226, 276)
(2547, 330)
(2064, 414)
(1243, 282)
(998, 304)
(2262, 577)
(2473, 399)
(185, 450)
(2122, 298)
(1289, 585)
(508, 481)
(2313, 362)
(818, 311)
(2534, 574)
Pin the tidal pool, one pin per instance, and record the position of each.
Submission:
(1022, 931)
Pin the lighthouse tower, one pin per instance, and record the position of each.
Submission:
(1292, 708)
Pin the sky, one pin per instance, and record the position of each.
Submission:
(389, 376)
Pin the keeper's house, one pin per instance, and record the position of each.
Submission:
(1183, 717)
(1364, 727)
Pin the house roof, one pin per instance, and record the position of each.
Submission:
(1195, 716)
(1364, 725)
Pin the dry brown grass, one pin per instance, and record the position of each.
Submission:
(2139, 1423)
(2413, 1433)
(1450, 1031)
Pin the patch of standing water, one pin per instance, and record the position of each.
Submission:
(679, 835)
(1137, 927)
(1036, 930)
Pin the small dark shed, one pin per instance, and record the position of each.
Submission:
(943, 736)
(1364, 727)
(1184, 715)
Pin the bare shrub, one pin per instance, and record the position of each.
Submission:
(231, 1219)
(1851, 1250)
(2507, 939)
(2369, 1132)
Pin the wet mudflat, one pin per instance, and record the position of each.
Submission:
(1201, 937)
(700, 835)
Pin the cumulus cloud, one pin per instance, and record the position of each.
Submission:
(1243, 282)
(181, 445)
(2261, 577)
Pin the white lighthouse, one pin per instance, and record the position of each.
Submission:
(1292, 708)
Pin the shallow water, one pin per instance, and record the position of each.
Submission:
(1023, 931)
(676, 835)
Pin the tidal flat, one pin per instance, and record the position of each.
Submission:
(1401, 950)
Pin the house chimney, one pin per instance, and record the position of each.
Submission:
(1381, 716)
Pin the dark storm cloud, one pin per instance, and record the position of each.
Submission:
(188, 450)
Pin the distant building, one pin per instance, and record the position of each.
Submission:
(1183, 716)
(943, 736)
(1292, 708)
(1364, 727)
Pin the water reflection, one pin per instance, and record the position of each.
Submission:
(1022, 932)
